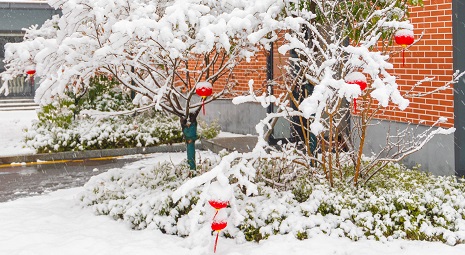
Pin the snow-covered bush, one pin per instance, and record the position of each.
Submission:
(62, 127)
(107, 133)
(141, 196)
(398, 203)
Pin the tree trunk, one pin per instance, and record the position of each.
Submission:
(189, 130)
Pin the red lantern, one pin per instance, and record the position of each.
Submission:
(359, 79)
(404, 38)
(31, 73)
(203, 89)
(218, 205)
(218, 226)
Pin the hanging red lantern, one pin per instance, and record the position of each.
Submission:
(404, 38)
(359, 79)
(203, 89)
(218, 205)
(30, 74)
(218, 226)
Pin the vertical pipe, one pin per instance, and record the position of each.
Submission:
(269, 78)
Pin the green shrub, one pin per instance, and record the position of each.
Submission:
(208, 130)
(407, 204)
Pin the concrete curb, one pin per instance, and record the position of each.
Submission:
(76, 155)
(241, 144)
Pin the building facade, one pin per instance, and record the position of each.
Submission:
(439, 53)
(14, 16)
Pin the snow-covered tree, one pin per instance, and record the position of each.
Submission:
(339, 79)
(160, 49)
(333, 45)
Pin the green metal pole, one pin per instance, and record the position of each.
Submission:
(190, 134)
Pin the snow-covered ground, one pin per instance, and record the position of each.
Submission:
(11, 131)
(56, 224)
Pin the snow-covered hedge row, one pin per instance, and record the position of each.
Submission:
(115, 132)
(399, 203)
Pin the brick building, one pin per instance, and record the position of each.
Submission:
(440, 24)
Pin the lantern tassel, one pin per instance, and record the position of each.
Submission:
(216, 241)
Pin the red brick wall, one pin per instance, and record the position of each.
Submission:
(430, 57)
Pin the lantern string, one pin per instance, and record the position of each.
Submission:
(215, 214)
(216, 241)
(403, 57)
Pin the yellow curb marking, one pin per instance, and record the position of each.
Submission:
(15, 164)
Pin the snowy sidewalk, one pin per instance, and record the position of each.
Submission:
(11, 131)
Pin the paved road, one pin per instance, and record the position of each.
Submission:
(23, 181)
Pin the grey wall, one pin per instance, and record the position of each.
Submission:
(15, 16)
(240, 119)
(436, 157)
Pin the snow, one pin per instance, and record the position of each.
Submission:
(404, 32)
(56, 224)
(224, 134)
(355, 76)
(11, 132)
(203, 85)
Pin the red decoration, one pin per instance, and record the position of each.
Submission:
(31, 73)
(218, 204)
(218, 226)
(203, 89)
(359, 79)
(404, 38)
